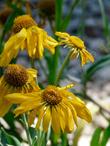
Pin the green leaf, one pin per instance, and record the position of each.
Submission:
(104, 61)
(10, 139)
(96, 137)
(41, 135)
(66, 21)
(106, 136)
(58, 15)
(34, 142)
(105, 20)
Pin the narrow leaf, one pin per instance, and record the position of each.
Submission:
(106, 136)
(58, 15)
(66, 21)
(96, 137)
(104, 61)
(12, 140)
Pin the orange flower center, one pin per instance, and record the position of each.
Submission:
(24, 21)
(51, 95)
(16, 75)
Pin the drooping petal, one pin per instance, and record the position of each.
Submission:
(12, 47)
(50, 44)
(32, 116)
(29, 42)
(40, 117)
(4, 107)
(68, 104)
(89, 56)
(81, 109)
(40, 48)
(69, 120)
(55, 120)
(83, 58)
(46, 119)
(74, 54)
(62, 118)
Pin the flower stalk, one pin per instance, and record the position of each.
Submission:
(32, 61)
(66, 60)
(27, 129)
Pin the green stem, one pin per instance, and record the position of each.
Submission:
(55, 58)
(81, 28)
(63, 67)
(64, 139)
(54, 138)
(104, 17)
(27, 130)
(32, 63)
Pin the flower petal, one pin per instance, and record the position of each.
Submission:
(46, 119)
(12, 47)
(4, 108)
(63, 35)
(55, 120)
(62, 118)
(40, 117)
(50, 44)
(77, 42)
(32, 116)
(81, 109)
(69, 121)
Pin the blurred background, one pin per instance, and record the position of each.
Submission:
(89, 20)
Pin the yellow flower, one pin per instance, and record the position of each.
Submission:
(54, 105)
(16, 79)
(27, 35)
(77, 46)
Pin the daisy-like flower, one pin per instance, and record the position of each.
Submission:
(77, 46)
(16, 79)
(27, 35)
(54, 105)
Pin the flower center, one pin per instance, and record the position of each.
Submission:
(51, 95)
(16, 75)
(24, 21)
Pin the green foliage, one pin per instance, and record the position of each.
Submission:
(105, 136)
(100, 137)
(105, 20)
(67, 19)
(39, 138)
(104, 61)
(55, 57)
(58, 15)
(96, 137)
(8, 139)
